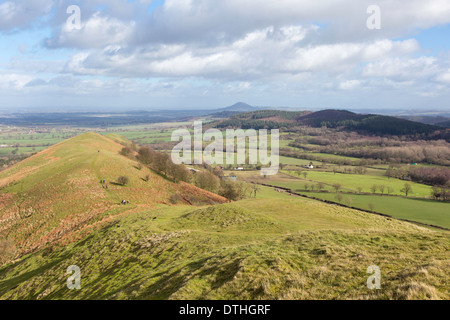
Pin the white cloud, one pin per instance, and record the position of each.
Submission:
(97, 32)
(260, 53)
(14, 81)
(7, 11)
(344, 55)
(349, 84)
(444, 77)
(237, 87)
(287, 47)
(402, 68)
(22, 14)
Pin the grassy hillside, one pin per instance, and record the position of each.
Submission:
(57, 213)
(57, 192)
(119, 139)
(265, 248)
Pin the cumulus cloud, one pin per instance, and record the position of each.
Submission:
(236, 46)
(96, 32)
(16, 15)
(403, 69)
(444, 77)
(256, 54)
(14, 81)
(349, 84)
(244, 39)
(226, 20)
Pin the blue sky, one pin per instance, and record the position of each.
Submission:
(146, 54)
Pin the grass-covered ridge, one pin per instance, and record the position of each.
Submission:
(287, 248)
(57, 192)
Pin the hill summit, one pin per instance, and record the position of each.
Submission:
(68, 188)
(241, 107)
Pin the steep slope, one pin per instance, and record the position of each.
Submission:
(284, 248)
(57, 193)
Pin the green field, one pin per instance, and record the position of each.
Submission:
(38, 139)
(20, 150)
(353, 181)
(334, 156)
(145, 137)
(21, 143)
(298, 162)
(420, 210)
(424, 211)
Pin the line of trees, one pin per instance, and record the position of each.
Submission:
(398, 149)
(430, 175)
(438, 176)
(162, 163)
(208, 178)
(440, 193)
(382, 188)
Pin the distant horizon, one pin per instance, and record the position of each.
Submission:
(115, 110)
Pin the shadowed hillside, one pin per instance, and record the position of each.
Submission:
(286, 248)
(342, 119)
(366, 123)
(57, 193)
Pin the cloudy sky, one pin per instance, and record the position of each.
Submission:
(211, 53)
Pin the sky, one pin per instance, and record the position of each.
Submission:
(206, 54)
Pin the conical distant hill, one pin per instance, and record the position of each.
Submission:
(58, 193)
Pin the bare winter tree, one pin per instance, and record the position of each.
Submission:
(407, 189)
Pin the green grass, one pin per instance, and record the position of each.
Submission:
(145, 137)
(28, 143)
(60, 187)
(334, 156)
(254, 249)
(270, 193)
(353, 181)
(425, 211)
(118, 138)
(20, 150)
(23, 138)
(276, 246)
(297, 162)
(420, 210)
